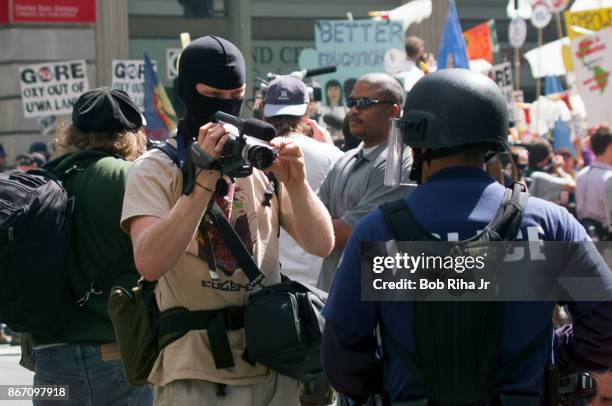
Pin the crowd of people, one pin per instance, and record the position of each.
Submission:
(138, 214)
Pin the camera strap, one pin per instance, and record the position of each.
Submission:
(235, 244)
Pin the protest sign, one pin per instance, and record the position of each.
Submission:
(52, 88)
(593, 62)
(502, 75)
(517, 32)
(541, 15)
(128, 75)
(590, 20)
(355, 47)
(478, 42)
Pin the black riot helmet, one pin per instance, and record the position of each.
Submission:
(453, 108)
(451, 111)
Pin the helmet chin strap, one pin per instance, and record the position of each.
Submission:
(418, 159)
(422, 155)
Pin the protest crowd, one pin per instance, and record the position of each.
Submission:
(221, 258)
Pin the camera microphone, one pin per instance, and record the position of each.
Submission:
(320, 71)
(251, 126)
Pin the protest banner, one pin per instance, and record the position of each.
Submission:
(478, 42)
(52, 88)
(590, 20)
(502, 75)
(355, 47)
(593, 62)
(128, 75)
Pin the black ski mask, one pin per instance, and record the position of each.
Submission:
(215, 62)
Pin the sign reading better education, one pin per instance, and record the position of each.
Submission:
(128, 75)
(354, 47)
(52, 88)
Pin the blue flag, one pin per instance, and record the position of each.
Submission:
(453, 53)
(562, 133)
(158, 110)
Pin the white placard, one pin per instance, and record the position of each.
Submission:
(517, 32)
(52, 88)
(541, 16)
(128, 75)
(592, 57)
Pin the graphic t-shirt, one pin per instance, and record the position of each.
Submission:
(153, 188)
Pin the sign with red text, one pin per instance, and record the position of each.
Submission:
(592, 55)
(52, 88)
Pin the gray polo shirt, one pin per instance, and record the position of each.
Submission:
(352, 189)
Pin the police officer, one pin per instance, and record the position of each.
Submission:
(454, 120)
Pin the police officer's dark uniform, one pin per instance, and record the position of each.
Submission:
(452, 361)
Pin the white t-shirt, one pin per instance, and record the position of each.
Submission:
(296, 263)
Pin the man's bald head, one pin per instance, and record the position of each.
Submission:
(388, 88)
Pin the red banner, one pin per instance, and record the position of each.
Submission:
(478, 41)
(4, 11)
(54, 11)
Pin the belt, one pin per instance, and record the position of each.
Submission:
(174, 323)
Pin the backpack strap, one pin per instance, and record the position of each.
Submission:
(235, 244)
(81, 161)
(507, 222)
(401, 223)
(187, 169)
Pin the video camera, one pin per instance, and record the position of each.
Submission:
(245, 150)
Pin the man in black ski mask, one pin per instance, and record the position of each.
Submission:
(211, 78)
(189, 258)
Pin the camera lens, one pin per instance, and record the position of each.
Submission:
(260, 157)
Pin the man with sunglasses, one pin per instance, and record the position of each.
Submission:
(355, 185)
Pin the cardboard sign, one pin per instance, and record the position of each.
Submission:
(128, 75)
(593, 62)
(53, 11)
(591, 20)
(502, 75)
(52, 88)
(355, 47)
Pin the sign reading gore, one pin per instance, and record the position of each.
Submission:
(52, 88)
(53, 11)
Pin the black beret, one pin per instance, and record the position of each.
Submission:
(106, 110)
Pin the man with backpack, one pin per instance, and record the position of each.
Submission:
(95, 151)
(179, 217)
(458, 352)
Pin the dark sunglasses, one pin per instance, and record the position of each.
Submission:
(364, 102)
(24, 162)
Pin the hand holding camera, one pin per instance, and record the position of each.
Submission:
(234, 146)
(289, 167)
(212, 138)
